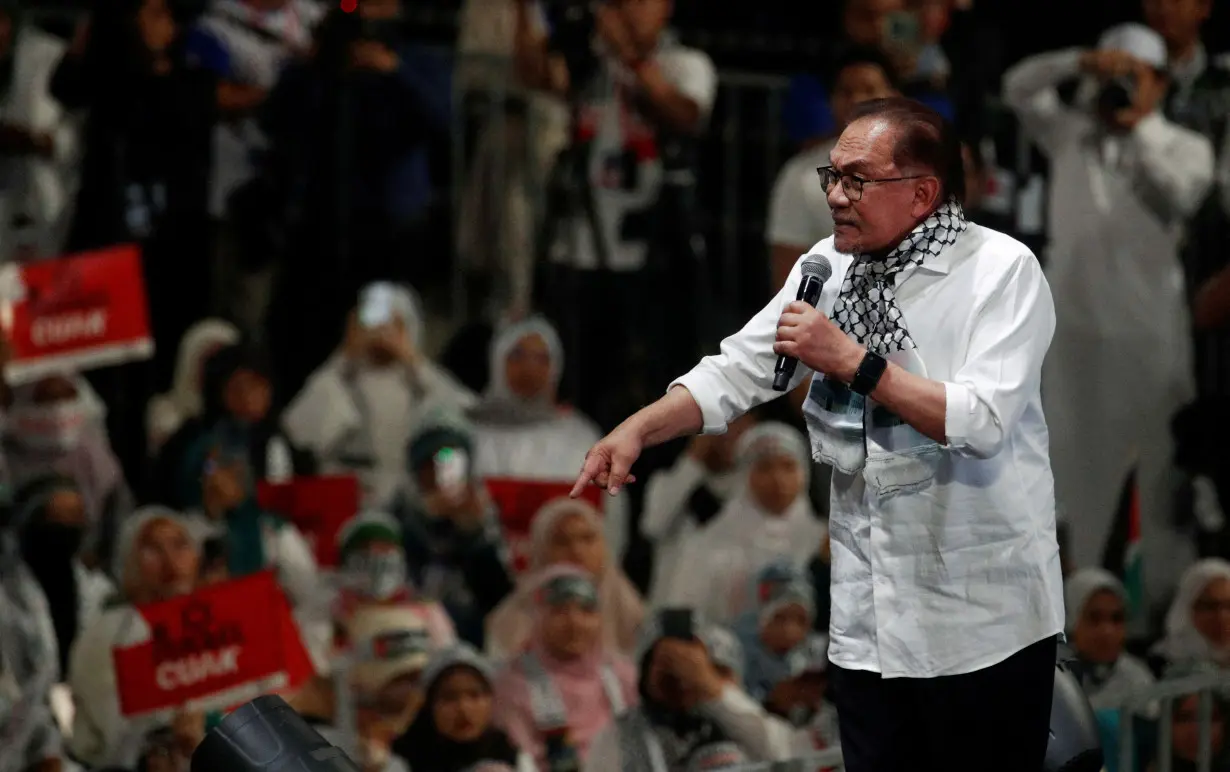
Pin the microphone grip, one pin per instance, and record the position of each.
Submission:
(809, 293)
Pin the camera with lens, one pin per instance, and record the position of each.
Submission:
(572, 37)
(1117, 94)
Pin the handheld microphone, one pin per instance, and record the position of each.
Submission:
(816, 271)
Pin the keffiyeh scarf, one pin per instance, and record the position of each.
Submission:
(866, 307)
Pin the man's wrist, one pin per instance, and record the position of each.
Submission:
(850, 364)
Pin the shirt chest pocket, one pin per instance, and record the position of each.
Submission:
(834, 417)
(900, 459)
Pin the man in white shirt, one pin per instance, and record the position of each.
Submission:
(1124, 179)
(799, 209)
(927, 358)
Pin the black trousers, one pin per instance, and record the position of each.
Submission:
(997, 718)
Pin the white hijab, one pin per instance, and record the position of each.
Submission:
(1081, 586)
(717, 568)
(1182, 641)
(499, 406)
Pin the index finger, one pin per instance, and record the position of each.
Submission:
(589, 470)
(797, 307)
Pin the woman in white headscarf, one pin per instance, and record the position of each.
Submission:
(523, 433)
(1095, 604)
(167, 412)
(769, 519)
(357, 411)
(1198, 622)
(58, 424)
(567, 531)
(157, 558)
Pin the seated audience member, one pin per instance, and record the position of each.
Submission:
(520, 429)
(799, 215)
(373, 571)
(357, 412)
(557, 695)
(454, 730)
(1198, 623)
(238, 415)
(802, 698)
(686, 704)
(454, 546)
(157, 558)
(774, 631)
(28, 661)
(684, 498)
(51, 526)
(58, 424)
(166, 413)
(769, 520)
(1094, 601)
(389, 648)
(568, 531)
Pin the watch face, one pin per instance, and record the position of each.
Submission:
(867, 377)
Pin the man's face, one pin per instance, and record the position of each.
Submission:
(858, 83)
(887, 210)
(1177, 21)
(865, 20)
(645, 19)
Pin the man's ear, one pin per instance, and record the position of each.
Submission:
(926, 196)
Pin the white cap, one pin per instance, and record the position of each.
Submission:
(1137, 40)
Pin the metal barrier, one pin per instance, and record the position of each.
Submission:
(1160, 699)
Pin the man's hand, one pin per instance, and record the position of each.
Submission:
(370, 55)
(608, 463)
(223, 490)
(613, 31)
(810, 337)
(1149, 93)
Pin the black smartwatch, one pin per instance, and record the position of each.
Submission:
(868, 375)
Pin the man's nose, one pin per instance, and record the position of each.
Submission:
(837, 196)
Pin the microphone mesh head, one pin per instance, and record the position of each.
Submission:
(818, 266)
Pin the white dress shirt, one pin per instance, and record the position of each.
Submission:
(957, 573)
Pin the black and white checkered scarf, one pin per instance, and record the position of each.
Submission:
(867, 307)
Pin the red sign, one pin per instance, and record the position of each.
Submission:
(518, 502)
(214, 649)
(81, 311)
(318, 506)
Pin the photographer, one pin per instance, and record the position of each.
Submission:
(1123, 180)
(639, 101)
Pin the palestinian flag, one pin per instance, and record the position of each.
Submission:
(1133, 561)
(1122, 555)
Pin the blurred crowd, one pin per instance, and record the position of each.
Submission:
(331, 296)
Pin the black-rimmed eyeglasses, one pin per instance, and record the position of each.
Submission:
(853, 184)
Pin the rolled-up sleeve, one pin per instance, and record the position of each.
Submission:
(740, 377)
(1002, 373)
